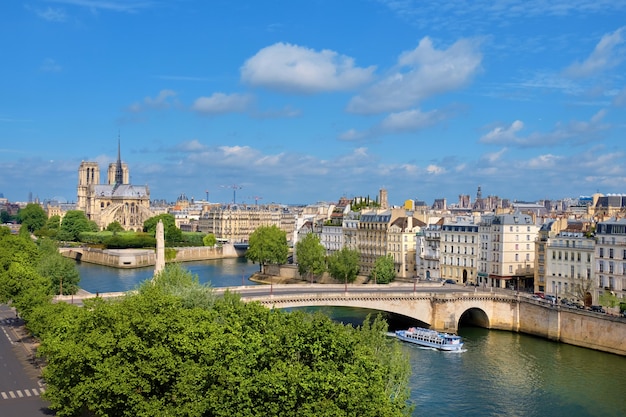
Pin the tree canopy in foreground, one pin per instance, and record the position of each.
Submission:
(156, 353)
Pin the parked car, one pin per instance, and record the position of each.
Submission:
(539, 294)
(550, 298)
(598, 309)
(449, 281)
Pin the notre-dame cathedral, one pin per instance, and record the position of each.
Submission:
(117, 200)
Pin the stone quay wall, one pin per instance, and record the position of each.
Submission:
(202, 253)
(575, 327)
(137, 258)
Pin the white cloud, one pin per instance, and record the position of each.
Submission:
(576, 132)
(191, 146)
(435, 169)
(161, 101)
(493, 157)
(52, 14)
(422, 73)
(604, 56)
(410, 120)
(220, 103)
(401, 122)
(503, 134)
(352, 134)
(546, 161)
(296, 69)
(126, 6)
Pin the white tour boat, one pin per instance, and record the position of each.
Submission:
(430, 338)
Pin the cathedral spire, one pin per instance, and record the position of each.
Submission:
(119, 174)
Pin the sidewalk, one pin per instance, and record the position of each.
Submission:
(25, 347)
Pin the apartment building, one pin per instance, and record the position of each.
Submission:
(401, 244)
(459, 251)
(350, 227)
(611, 257)
(569, 266)
(507, 250)
(235, 223)
(331, 237)
(428, 251)
(332, 232)
(373, 234)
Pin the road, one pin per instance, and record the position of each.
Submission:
(20, 385)
(300, 289)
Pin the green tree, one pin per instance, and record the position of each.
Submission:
(268, 245)
(73, 224)
(5, 217)
(61, 272)
(151, 354)
(32, 216)
(15, 251)
(384, 270)
(51, 228)
(172, 233)
(177, 281)
(115, 227)
(19, 281)
(311, 255)
(343, 265)
(149, 226)
(209, 240)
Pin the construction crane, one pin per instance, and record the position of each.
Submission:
(256, 199)
(235, 187)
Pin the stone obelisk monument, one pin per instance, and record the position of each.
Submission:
(160, 248)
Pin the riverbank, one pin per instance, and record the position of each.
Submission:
(140, 258)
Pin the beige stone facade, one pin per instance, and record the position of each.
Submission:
(116, 201)
(507, 250)
(459, 252)
(235, 223)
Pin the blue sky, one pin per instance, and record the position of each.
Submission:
(296, 101)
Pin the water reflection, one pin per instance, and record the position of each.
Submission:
(219, 273)
(508, 374)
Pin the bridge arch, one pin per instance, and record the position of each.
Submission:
(474, 316)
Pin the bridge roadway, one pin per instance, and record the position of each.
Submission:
(440, 307)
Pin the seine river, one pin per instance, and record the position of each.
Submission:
(499, 374)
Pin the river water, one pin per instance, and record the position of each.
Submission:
(499, 374)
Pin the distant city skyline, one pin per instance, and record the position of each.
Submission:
(310, 101)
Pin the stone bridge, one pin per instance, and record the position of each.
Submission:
(441, 311)
(502, 310)
(445, 309)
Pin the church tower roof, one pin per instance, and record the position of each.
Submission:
(119, 173)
